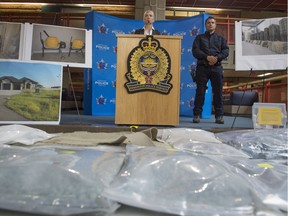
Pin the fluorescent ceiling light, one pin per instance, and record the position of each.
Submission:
(265, 74)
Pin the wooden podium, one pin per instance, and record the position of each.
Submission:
(147, 107)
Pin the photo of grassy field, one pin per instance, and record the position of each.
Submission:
(37, 107)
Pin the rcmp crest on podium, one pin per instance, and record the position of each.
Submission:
(148, 68)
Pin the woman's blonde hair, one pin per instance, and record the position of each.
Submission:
(146, 12)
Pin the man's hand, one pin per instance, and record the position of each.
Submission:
(212, 60)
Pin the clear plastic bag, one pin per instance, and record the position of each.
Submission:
(186, 135)
(180, 183)
(269, 144)
(57, 181)
(14, 134)
(267, 179)
(209, 149)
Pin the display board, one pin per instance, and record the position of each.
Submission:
(64, 45)
(11, 40)
(261, 44)
(30, 93)
(46, 43)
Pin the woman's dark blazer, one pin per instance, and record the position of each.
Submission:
(141, 31)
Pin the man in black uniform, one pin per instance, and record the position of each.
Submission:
(209, 49)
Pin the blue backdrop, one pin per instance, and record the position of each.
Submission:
(100, 80)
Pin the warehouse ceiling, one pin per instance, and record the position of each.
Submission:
(247, 5)
(230, 6)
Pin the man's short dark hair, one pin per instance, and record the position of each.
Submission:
(210, 17)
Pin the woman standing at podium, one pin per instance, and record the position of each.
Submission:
(148, 28)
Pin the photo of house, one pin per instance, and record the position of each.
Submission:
(13, 84)
(30, 93)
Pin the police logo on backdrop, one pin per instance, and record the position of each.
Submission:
(148, 68)
(101, 100)
(103, 29)
(194, 31)
(102, 64)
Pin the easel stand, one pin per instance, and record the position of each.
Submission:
(73, 92)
